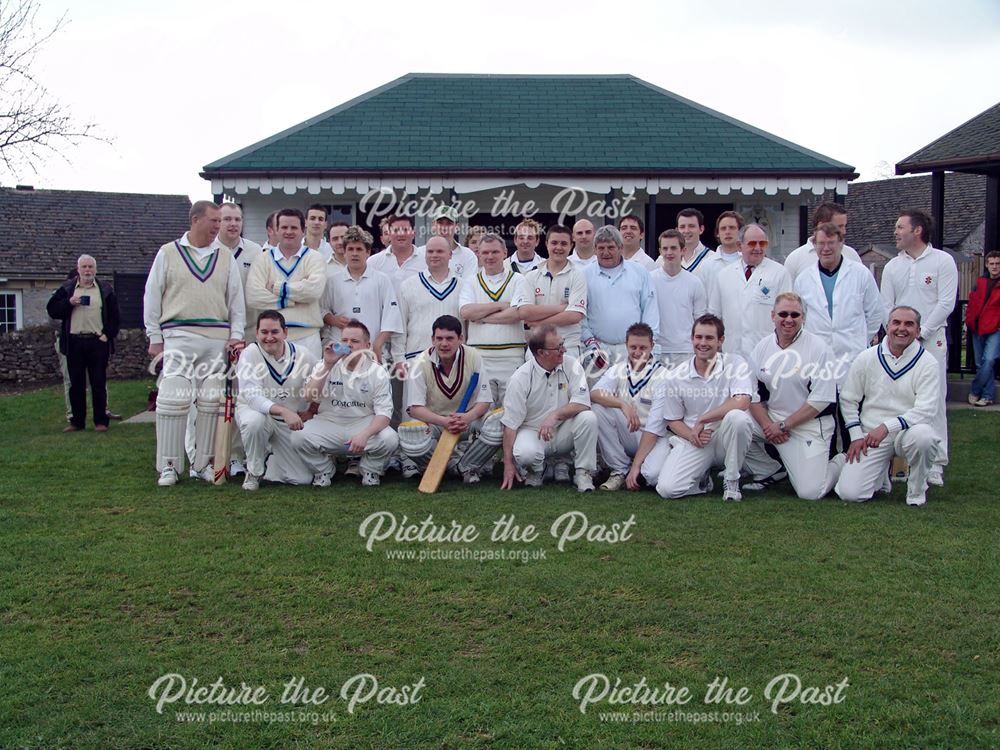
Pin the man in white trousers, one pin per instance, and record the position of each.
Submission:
(355, 408)
(704, 403)
(547, 413)
(890, 403)
(272, 404)
(621, 401)
(793, 408)
(195, 316)
(926, 279)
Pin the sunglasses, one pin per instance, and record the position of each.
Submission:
(753, 244)
(789, 314)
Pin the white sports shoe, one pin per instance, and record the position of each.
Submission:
(936, 477)
(615, 482)
(192, 474)
(532, 478)
(731, 490)
(470, 477)
(236, 468)
(561, 472)
(251, 482)
(322, 480)
(168, 477)
(583, 481)
(370, 479)
(408, 468)
(916, 500)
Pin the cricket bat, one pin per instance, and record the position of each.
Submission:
(434, 472)
(224, 432)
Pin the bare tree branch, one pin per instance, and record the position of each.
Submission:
(33, 126)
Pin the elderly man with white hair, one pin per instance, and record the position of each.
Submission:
(744, 292)
(88, 310)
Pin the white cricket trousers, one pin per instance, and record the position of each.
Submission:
(577, 435)
(618, 445)
(321, 438)
(265, 434)
(806, 456)
(919, 445)
(682, 472)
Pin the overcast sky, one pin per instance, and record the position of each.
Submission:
(176, 85)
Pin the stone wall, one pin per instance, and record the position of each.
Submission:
(28, 357)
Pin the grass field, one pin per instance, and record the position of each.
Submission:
(108, 583)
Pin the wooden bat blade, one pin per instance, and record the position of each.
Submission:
(434, 472)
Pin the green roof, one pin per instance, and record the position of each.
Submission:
(431, 123)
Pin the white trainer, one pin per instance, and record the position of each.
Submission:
(236, 468)
(615, 482)
(322, 480)
(532, 478)
(935, 477)
(731, 491)
(583, 481)
(370, 479)
(168, 477)
(561, 472)
(916, 500)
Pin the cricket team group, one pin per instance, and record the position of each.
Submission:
(596, 361)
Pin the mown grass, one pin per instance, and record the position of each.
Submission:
(107, 583)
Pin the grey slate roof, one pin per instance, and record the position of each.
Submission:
(610, 124)
(975, 143)
(873, 207)
(45, 231)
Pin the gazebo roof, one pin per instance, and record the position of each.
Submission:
(971, 147)
(513, 124)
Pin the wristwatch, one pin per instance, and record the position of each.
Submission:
(781, 426)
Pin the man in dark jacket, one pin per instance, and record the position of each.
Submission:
(88, 310)
(983, 318)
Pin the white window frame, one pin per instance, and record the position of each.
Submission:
(18, 308)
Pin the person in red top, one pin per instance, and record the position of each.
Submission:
(983, 318)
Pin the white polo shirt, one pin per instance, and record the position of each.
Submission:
(386, 262)
(415, 390)
(616, 298)
(927, 283)
(370, 299)
(265, 381)
(804, 371)
(355, 394)
(523, 266)
(686, 395)
(581, 263)
(325, 250)
(567, 287)
(643, 259)
(533, 393)
(681, 300)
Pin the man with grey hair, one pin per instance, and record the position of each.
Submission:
(744, 293)
(88, 311)
(618, 295)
